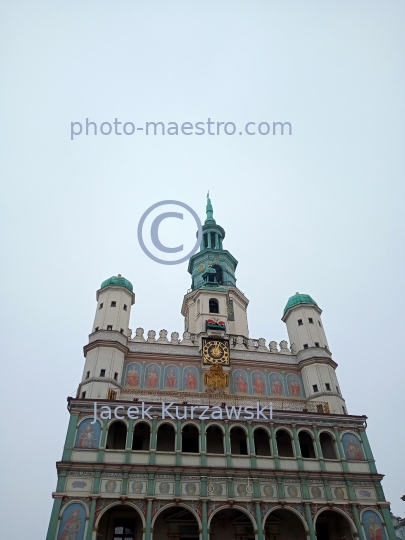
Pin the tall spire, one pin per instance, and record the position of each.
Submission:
(210, 211)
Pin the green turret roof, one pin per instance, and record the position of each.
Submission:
(299, 299)
(117, 281)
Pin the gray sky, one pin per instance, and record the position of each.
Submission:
(319, 212)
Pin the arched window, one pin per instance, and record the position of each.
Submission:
(117, 436)
(198, 307)
(284, 443)
(215, 440)
(306, 445)
(190, 440)
(327, 446)
(238, 442)
(166, 438)
(262, 442)
(141, 439)
(213, 305)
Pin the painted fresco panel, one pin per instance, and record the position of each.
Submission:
(269, 491)
(339, 493)
(259, 383)
(277, 387)
(294, 385)
(88, 434)
(133, 375)
(240, 381)
(164, 488)
(372, 526)
(111, 486)
(191, 378)
(137, 487)
(171, 379)
(72, 523)
(190, 488)
(292, 491)
(352, 447)
(152, 376)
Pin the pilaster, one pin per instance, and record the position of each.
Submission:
(70, 437)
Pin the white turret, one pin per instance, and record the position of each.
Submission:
(104, 364)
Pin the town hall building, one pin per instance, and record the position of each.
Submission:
(212, 434)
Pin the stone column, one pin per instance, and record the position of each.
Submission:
(128, 442)
(203, 444)
(179, 436)
(204, 520)
(318, 448)
(148, 524)
(274, 449)
(53, 523)
(310, 523)
(367, 450)
(297, 448)
(152, 450)
(357, 522)
(70, 437)
(260, 535)
(252, 453)
(228, 445)
(388, 523)
(340, 450)
(103, 441)
(90, 523)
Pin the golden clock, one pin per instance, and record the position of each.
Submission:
(216, 352)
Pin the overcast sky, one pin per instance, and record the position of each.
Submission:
(320, 211)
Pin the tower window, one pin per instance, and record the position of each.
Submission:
(213, 305)
(96, 329)
(83, 395)
(305, 345)
(109, 327)
(319, 322)
(102, 372)
(125, 307)
(100, 306)
(116, 376)
(311, 320)
(327, 386)
(122, 330)
(114, 304)
(87, 374)
(299, 322)
(315, 387)
(316, 344)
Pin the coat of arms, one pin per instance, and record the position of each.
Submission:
(216, 379)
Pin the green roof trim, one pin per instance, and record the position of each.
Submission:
(298, 299)
(117, 281)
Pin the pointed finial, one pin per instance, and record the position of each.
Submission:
(208, 194)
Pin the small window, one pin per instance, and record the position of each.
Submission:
(96, 329)
(113, 304)
(305, 345)
(101, 306)
(102, 372)
(122, 330)
(316, 344)
(116, 376)
(319, 408)
(344, 410)
(87, 374)
(125, 307)
(213, 305)
(311, 320)
(315, 387)
(109, 327)
(327, 386)
(299, 322)
(319, 322)
(83, 395)
(337, 390)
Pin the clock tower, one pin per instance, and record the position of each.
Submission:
(214, 306)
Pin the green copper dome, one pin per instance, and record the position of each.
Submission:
(117, 281)
(299, 299)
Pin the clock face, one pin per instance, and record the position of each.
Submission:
(216, 352)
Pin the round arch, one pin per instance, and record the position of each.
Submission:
(241, 426)
(191, 423)
(140, 421)
(286, 429)
(169, 422)
(119, 503)
(215, 424)
(180, 505)
(261, 426)
(73, 501)
(234, 507)
(113, 420)
(338, 511)
(291, 509)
